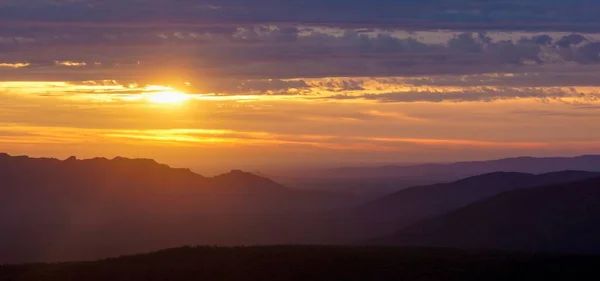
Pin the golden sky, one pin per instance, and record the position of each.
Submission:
(259, 96)
(317, 125)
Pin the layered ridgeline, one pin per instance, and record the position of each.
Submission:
(86, 209)
(417, 203)
(407, 206)
(376, 181)
(558, 218)
(437, 172)
(73, 209)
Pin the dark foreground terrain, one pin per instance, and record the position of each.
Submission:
(291, 263)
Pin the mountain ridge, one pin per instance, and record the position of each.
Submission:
(119, 163)
(457, 170)
(54, 209)
(555, 218)
(419, 202)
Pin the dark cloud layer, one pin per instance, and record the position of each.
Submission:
(280, 52)
(435, 14)
(128, 39)
(483, 94)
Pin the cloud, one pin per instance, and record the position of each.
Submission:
(432, 14)
(542, 39)
(558, 114)
(569, 40)
(542, 87)
(149, 43)
(20, 135)
(254, 87)
(281, 52)
(477, 94)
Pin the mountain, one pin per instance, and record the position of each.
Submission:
(417, 203)
(558, 218)
(389, 213)
(43, 171)
(83, 209)
(292, 263)
(52, 210)
(366, 188)
(455, 171)
(239, 181)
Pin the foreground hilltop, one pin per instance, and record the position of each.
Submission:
(292, 263)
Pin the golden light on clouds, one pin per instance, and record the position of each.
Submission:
(14, 65)
(339, 90)
(71, 63)
(96, 91)
(14, 134)
(332, 117)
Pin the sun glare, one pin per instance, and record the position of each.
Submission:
(168, 97)
(165, 95)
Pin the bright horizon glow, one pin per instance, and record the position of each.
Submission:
(166, 95)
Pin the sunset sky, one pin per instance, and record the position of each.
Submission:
(265, 84)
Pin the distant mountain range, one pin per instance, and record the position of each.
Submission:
(557, 218)
(86, 209)
(389, 213)
(455, 171)
(417, 203)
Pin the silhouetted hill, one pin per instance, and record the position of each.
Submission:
(387, 214)
(292, 263)
(147, 171)
(243, 181)
(417, 203)
(375, 181)
(85, 209)
(454, 171)
(75, 209)
(560, 218)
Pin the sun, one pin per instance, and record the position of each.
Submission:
(164, 95)
(168, 97)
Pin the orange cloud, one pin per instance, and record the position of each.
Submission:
(215, 138)
(14, 65)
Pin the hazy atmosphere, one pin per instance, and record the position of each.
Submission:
(284, 140)
(213, 85)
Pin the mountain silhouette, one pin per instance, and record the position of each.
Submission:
(458, 170)
(238, 180)
(54, 209)
(558, 218)
(417, 203)
(134, 171)
(389, 213)
(76, 209)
